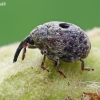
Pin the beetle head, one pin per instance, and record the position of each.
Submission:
(29, 40)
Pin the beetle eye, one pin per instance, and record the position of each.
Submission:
(64, 25)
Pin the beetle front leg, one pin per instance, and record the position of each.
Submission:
(83, 67)
(23, 53)
(24, 49)
(43, 60)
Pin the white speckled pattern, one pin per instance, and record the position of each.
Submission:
(62, 39)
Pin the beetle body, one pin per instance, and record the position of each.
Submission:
(58, 40)
(69, 42)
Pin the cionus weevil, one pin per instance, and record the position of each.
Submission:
(57, 40)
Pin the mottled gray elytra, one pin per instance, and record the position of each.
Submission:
(57, 40)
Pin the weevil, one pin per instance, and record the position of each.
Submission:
(57, 41)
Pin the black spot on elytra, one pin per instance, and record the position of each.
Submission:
(75, 45)
(64, 25)
(81, 48)
(85, 42)
(74, 37)
(65, 41)
(68, 49)
(76, 53)
(71, 43)
(80, 38)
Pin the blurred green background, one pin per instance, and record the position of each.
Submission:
(19, 17)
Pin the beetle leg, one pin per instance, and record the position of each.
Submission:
(43, 60)
(83, 67)
(57, 63)
(24, 49)
(23, 53)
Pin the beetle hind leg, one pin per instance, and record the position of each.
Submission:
(85, 68)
